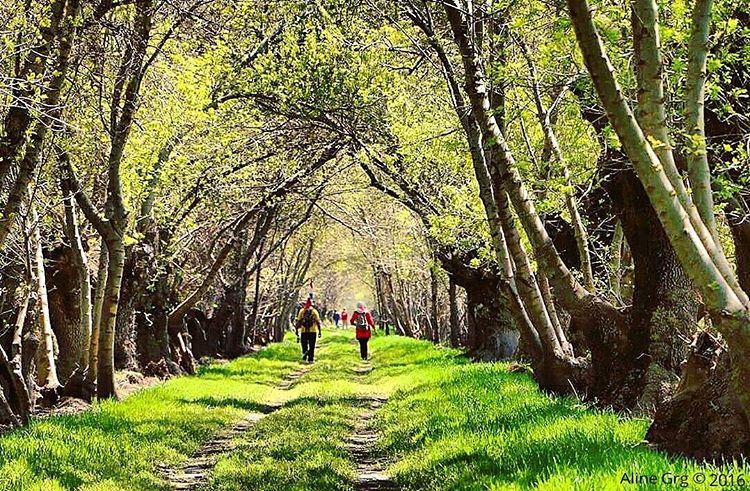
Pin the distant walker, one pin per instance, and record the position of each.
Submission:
(308, 321)
(363, 324)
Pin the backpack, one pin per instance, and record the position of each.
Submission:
(362, 321)
(307, 319)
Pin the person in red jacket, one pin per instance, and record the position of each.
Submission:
(345, 317)
(363, 325)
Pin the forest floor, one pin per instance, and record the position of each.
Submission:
(415, 417)
(127, 383)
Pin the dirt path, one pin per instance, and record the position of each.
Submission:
(195, 472)
(371, 474)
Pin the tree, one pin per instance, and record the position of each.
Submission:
(690, 227)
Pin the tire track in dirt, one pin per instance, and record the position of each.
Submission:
(362, 445)
(195, 472)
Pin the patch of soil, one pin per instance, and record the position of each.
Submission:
(129, 382)
(371, 465)
(64, 406)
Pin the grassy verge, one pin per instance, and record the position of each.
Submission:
(463, 426)
(448, 424)
(117, 445)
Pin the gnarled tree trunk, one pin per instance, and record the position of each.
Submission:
(665, 305)
(64, 309)
(493, 334)
(688, 229)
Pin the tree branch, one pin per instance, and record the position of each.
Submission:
(697, 155)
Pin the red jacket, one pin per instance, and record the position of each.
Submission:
(363, 333)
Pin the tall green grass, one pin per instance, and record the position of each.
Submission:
(303, 445)
(448, 425)
(461, 426)
(117, 445)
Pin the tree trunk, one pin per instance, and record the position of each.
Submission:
(253, 320)
(84, 277)
(741, 235)
(689, 235)
(96, 315)
(455, 326)
(492, 332)
(151, 331)
(46, 366)
(14, 398)
(65, 312)
(15, 394)
(555, 368)
(647, 351)
(553, 152)
(402, 325)
(495, 338)
(665, 305)
(704, 419)
(434, 317)
(138, 272)
(106, 360)
(237, 326)
(526, 305)
(616, 264)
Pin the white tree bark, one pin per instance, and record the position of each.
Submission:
(46, 367)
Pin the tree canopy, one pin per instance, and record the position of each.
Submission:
(564, 184)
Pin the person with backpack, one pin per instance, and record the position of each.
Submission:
(308, 321)
(363, 325)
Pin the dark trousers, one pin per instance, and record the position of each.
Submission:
(308, 345)
(363, 347)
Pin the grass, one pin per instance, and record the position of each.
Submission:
(464, 426)
(117, 445)
(448, 424)
(303, 445)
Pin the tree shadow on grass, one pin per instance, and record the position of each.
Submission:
(525, 465)
(112, 444)
(244, 404)
(438, 421)
(332, 400)
(281, 474)
(300, 446)
(482, 425)
(266, 374)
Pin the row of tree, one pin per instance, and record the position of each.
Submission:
(563, 184)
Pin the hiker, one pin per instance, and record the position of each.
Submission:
(345, 317)
(308, 321)
(363, 324)
(336, 318)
